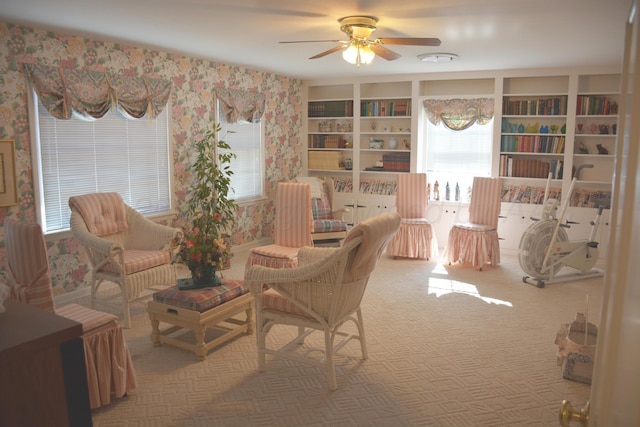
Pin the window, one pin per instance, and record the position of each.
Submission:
(246, 142)
(113, 153)
(455, 157)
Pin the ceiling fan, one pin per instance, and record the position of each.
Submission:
(359, 48)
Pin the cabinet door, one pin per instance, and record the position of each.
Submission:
(443, 216)
(515, 219)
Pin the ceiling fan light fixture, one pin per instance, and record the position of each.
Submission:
(437, 57)
(357, 54)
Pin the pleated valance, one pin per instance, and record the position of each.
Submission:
(240, 105)
(459, 114)
(90, 94)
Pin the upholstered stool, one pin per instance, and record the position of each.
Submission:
(199, 310)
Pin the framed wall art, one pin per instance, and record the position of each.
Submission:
(8, 187)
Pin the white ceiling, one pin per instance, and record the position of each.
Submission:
(486, 34)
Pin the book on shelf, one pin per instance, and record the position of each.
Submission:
(385, 108)
(595, 105)
(330, 109)
(553, 106)
(522, 167)
(528, 194)
(532, 144)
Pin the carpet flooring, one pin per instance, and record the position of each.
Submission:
(448, 346)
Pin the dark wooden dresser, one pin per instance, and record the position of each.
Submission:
(43, 379)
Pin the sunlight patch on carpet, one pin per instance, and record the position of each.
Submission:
(440, 286)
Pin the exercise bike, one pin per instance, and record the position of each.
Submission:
(545, 248)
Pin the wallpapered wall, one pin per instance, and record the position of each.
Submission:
(191, 108)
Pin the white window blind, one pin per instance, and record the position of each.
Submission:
(246, 142)
(77, 156)
(457, 156)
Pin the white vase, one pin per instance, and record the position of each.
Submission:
(392, 143)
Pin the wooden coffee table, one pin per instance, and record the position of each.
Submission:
(199, 310)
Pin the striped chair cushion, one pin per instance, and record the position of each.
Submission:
(328, 225)
(276, 251)
(474, 227)
(104, 213)
(139, 260)
(204, 299)
(271, 299)
(90, 319)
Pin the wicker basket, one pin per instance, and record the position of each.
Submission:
(577, 349)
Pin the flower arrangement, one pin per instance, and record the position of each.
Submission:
(209, 209)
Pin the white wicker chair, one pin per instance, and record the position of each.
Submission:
(130, 250)
(322, 293)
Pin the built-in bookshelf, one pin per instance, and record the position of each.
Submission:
(533, 129)
(330, 127)
(596, 129)
(364, 133)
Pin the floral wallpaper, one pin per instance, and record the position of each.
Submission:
(191, 109)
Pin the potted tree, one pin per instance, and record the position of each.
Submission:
(210, 211)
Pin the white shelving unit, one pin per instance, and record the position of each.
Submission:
(563, 119)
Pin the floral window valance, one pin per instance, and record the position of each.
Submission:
(241, 106)
(459, 114)
(90, 94)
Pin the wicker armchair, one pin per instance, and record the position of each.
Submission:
(322, 293)
(123, 246)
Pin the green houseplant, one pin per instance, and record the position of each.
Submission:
(209, 210)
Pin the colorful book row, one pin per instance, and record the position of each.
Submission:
(555, 106)
(595, 105)
(532, 144)
(385, 108)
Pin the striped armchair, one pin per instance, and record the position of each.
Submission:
(415, 237)
(123, 246)
(476, 242)
(108, 362)
(291, 229)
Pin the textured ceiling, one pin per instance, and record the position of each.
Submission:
(486, 34)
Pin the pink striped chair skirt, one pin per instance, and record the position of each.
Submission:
(473, 245)
(414, 239)
(110, 370)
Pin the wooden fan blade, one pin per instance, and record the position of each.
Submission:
(410, 41)
(383, 52)
(327, 52)
(316, 41)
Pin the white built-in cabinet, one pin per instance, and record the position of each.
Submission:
(363, 133)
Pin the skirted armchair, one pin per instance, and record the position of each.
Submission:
(110, 371)
(415, 238)
(476, 242)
